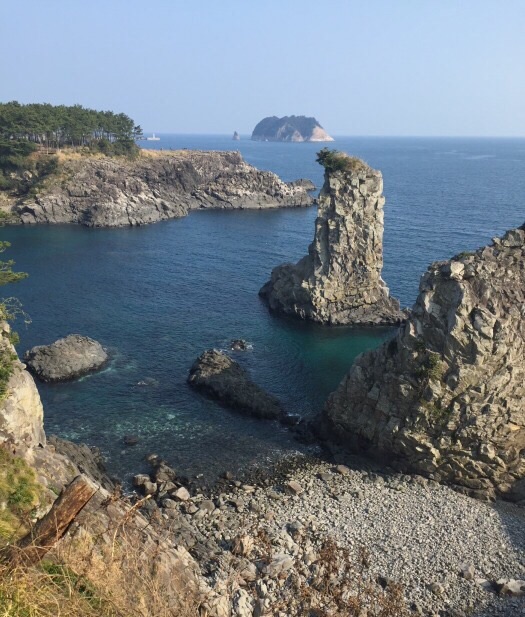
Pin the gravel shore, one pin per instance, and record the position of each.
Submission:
(446, 550)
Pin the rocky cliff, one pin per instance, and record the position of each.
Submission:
(110, 192)
(339, 281)
(21, 411)
(290, 128)
(446, 397)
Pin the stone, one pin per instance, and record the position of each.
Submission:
(140, 479)
(280, 563)
(182, 494)
(342, 470)
(65, 359)
(156, 186)
(131, 440)
(242, 604)
(468, 572)
(207, 506)
(339, 281)
(437, 589)
(293, 488)
(510, 587)
(218, 376)
(243, 545)
(444, 397)
(239, 345)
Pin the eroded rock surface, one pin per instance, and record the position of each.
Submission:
(339, 281)
(21, 411)
(446, 397)
(112, 192)
(65, 359)
(220, 377)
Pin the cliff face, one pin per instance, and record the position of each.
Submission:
(21, 411)
(290, 128)
(339, 281)
(111, 192)
(446, 397)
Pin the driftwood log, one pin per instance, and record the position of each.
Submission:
(51, 527)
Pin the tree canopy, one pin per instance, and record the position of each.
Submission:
(57, 126)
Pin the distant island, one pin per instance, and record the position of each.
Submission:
(290, 128)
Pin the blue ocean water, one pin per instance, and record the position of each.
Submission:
(157, 296)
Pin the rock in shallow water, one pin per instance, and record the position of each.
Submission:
(66, 359)
(220, 377)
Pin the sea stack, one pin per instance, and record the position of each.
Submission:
(290, 128)
(339, 281)
(445, 397)
(236, 136)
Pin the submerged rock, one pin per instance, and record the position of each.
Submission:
(221, 378)
(66, 359)
(445, 397)
(339, 281)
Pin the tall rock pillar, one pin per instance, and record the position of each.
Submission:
(339, 281)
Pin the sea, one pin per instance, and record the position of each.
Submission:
(157, 296)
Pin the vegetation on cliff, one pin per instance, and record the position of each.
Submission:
(334, 160)
(28, 129)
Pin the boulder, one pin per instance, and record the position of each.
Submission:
(445, 397)
(66, 359)
(218, 376)
(339, 281)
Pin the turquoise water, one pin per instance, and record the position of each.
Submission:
(157, 296)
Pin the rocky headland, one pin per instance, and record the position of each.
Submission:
(445, 397)
(68, 358)
(339, 281)
(290, 128)
(100, 191)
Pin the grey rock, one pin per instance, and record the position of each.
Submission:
(115, 192)
(66, 359)
(280, 563)
(220, 377)
(293, 488)
(339, 281)
(510, 587)
(444, 398)
(182, 494)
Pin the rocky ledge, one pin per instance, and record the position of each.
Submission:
(113, 192)
(223, 379)
(66, 359)
(339, 281)
(445, 397)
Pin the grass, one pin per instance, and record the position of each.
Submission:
(20, 495)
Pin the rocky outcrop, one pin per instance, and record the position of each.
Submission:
(290, 128)
(236, 136)
(66, 359)
(339, 281)
(445, 397)
(112, 192)
(21, 411)
(223, 379)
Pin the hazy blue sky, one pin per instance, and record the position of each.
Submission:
(366, 67)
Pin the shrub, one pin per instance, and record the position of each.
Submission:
(334, 160)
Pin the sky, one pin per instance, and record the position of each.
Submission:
(367, 67)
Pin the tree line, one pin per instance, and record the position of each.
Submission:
(59, 126)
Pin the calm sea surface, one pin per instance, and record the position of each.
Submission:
(157, 296)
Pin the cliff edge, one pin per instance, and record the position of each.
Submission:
(445, 397)
(99, 191)
(339, 281)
